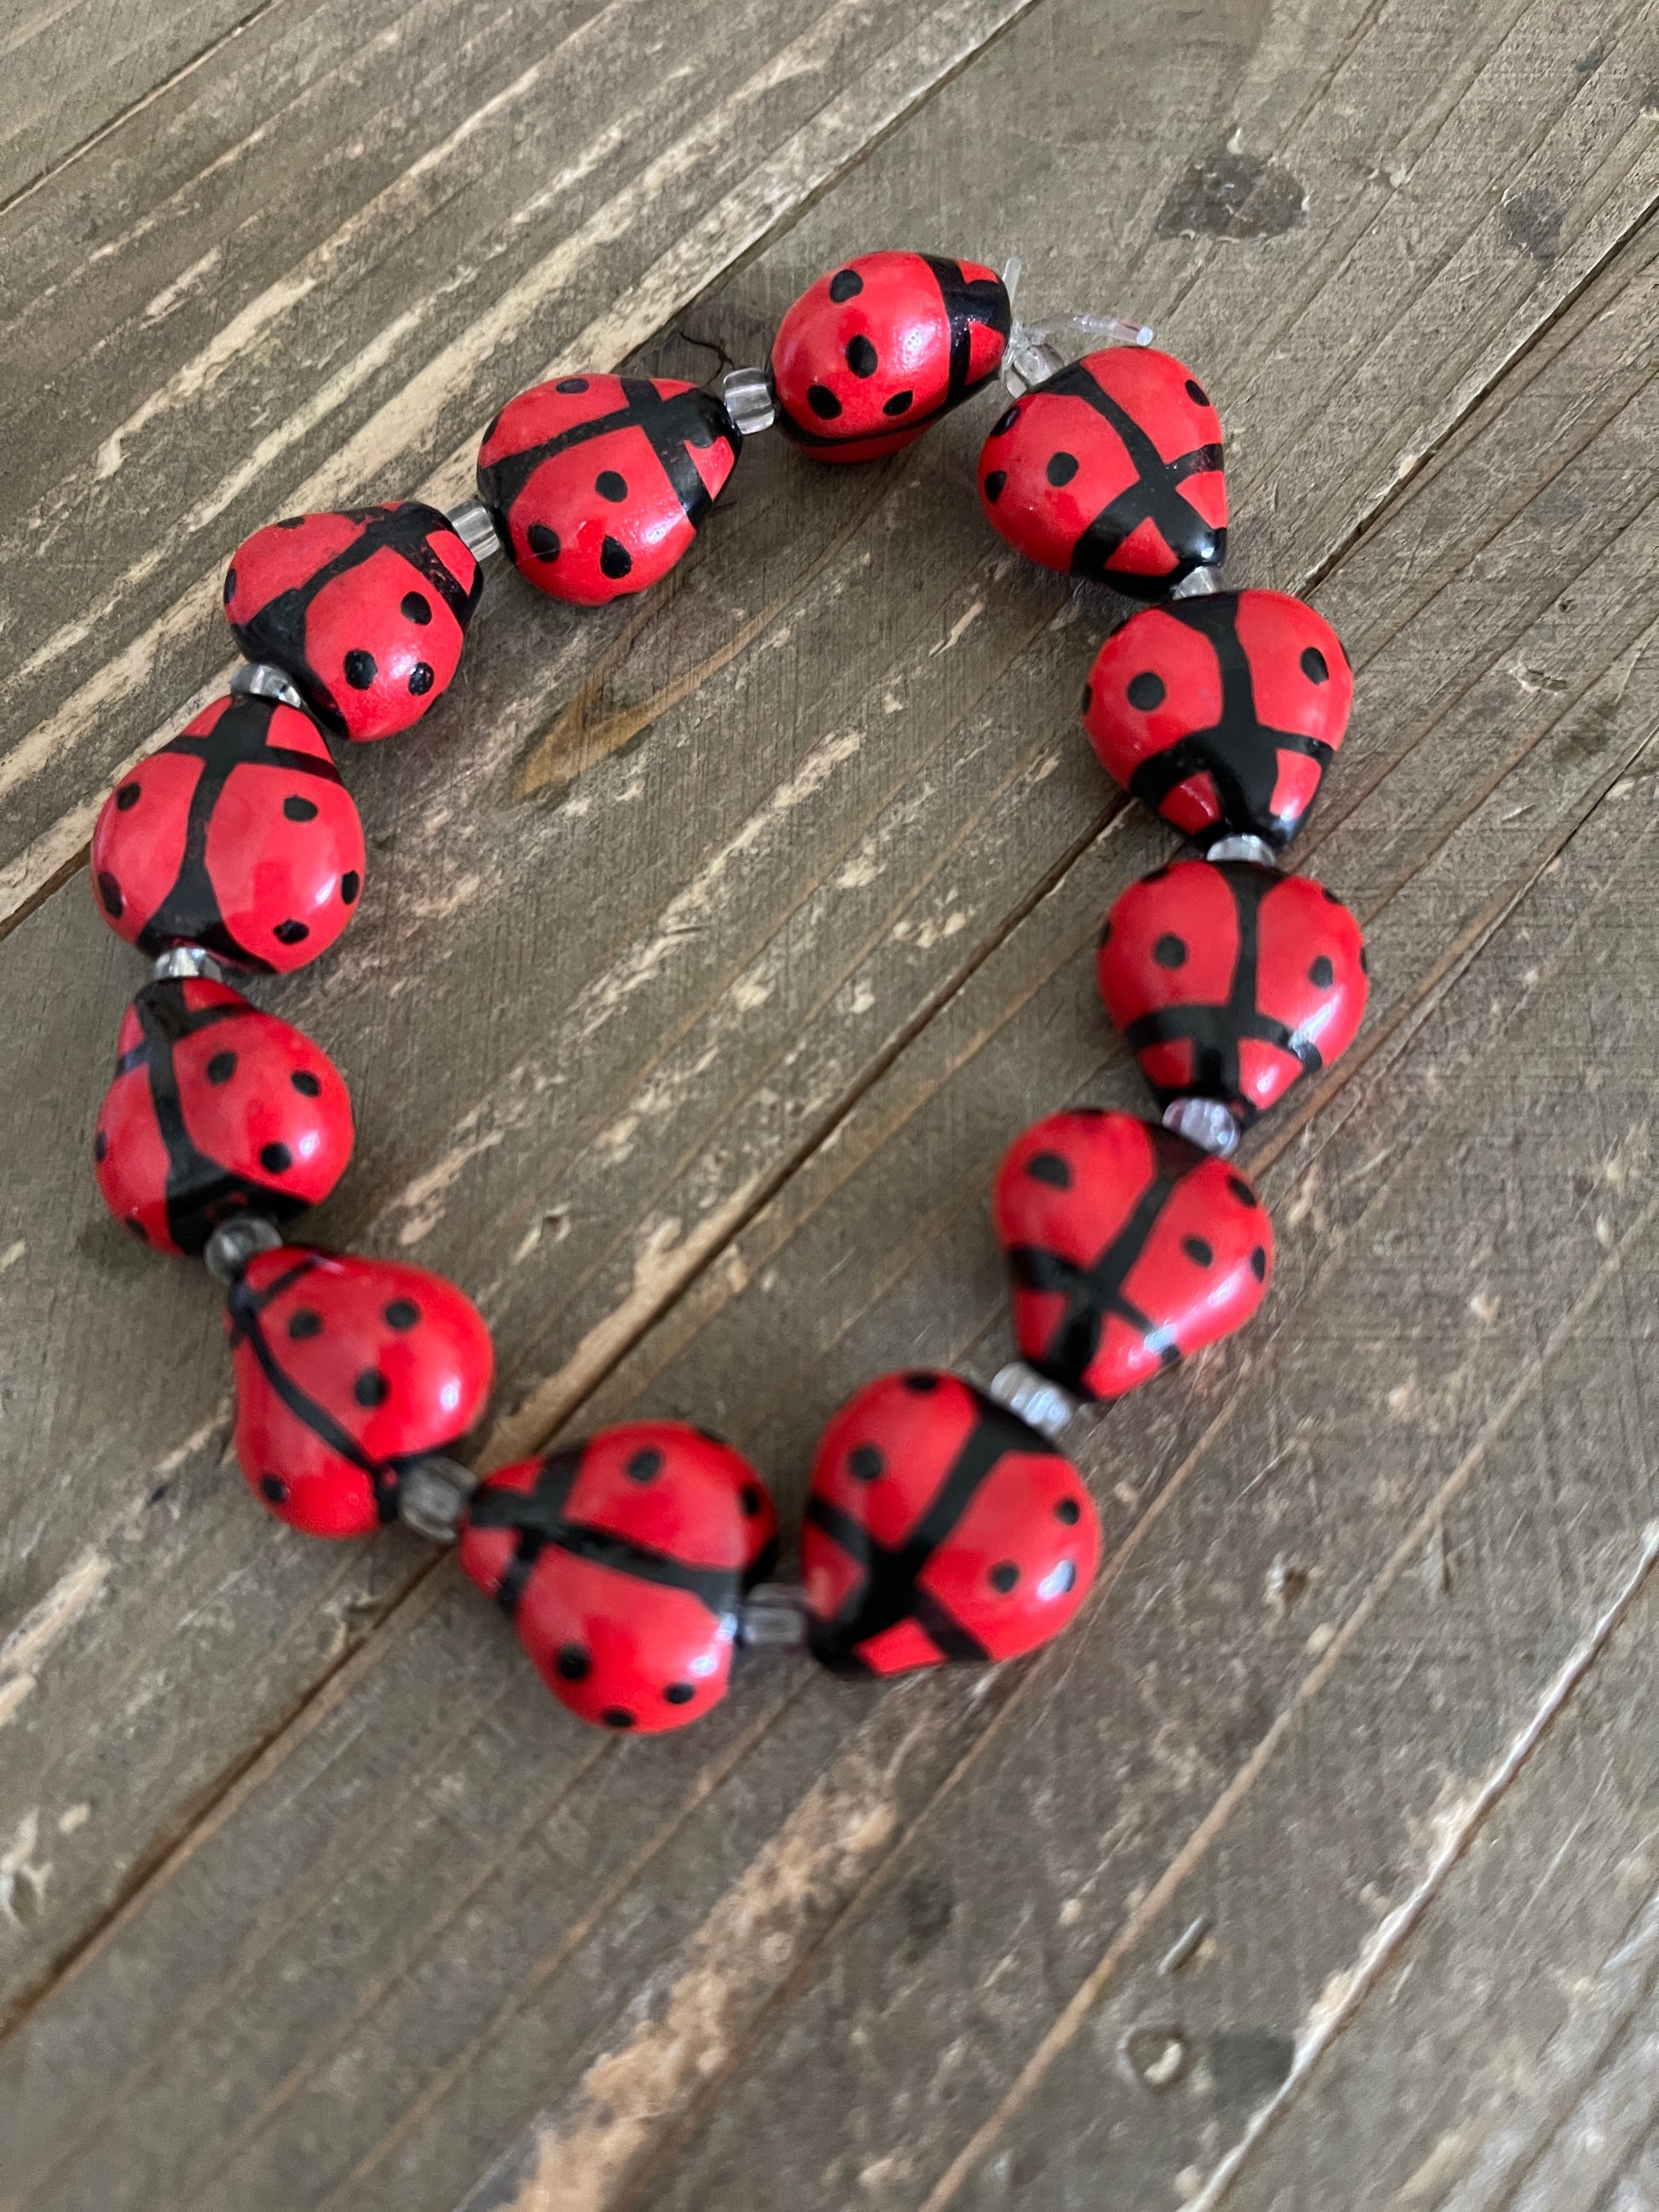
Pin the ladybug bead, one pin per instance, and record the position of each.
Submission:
(598, 484)
(1129, 1249)
(1230, 981)
(366, 610)
(1112, 469)
(938, 1527)
(238, 835)
(624, 1562)
(880, 347)
(1222, 713)
(216, 1108)
(346, 1370)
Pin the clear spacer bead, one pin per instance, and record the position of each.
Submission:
(1205, 1122)
(1240, 846)
(475, 526)
(746, 396)
(181, 962)
(1042, 1405)
(432, 1496)
(258, 679)
(233, 1243)
(773, 1618)
(1197, 583)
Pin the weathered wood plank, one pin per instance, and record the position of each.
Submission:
(532, 1955)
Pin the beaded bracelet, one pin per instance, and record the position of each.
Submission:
(943, 1521)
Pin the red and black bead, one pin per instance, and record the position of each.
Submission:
(1222, 713)
(940, 1526)
(216, 1108)
(1112, 469)
(623, 1561)
(598, 484)
(1230, 981)
(346, 1370)
(1129, 1249)
(883, 346)
(238, 835)
(365, 610)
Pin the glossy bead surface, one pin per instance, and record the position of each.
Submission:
(345, 1369)
(237, 836)
(1222, 713)
(940, 1526)
(217, 1109)
(598, 484)
(1129, 1249)
(1112, 469)
(366, 610)
(881, 347)
(624, 1562)
(1231, 981)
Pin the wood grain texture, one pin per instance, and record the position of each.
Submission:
(714, 947)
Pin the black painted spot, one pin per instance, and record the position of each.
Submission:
(994, 484)
(614, 559)
(1050, 1168)
(421, 677)
(1242, 1191)
(1004, 1575)
(1364, 962)
(100, 1144)
(275, 1159)
(221, 1067)
(1328, 895)
(845, 284)
(296, 932)
(1105, 936)
(360, 669)
(571, 384)
(1156, 875)
(1322, 972)
(900, 404)
(543, 541)
(1198, 1251)
(416, 608)
(611, 485)
(304, 1322)
(1005, 422)
(1069, 1511)
(1314, 666)
(751, 1498)
(401, 1314)
(371, 1388)
(617, 1716)
(644, 1466)
(273, 1487)
(865, 1461)
(679, 1693)
(860, 356)
(1170, 952)
(1196, 392)
(1145, 691)
(306, 1083)
(293, 522)
(300, 809)
(822, 402)
(230, 586)
(350, 883)
(127, 797)
(110, 892)
(574, 1663)
(1259, 1264)
(920, 1382)
(1061, 468)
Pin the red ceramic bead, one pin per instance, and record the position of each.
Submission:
(880, 347)
(598, 484)
(366, 610)
(623, 1561)
(1112, 469)
(1222, 713)
(216, 1108)
(1129, 1249)
(940, 1526)
(1231, 981)
(345, 1370)
(239, 837)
